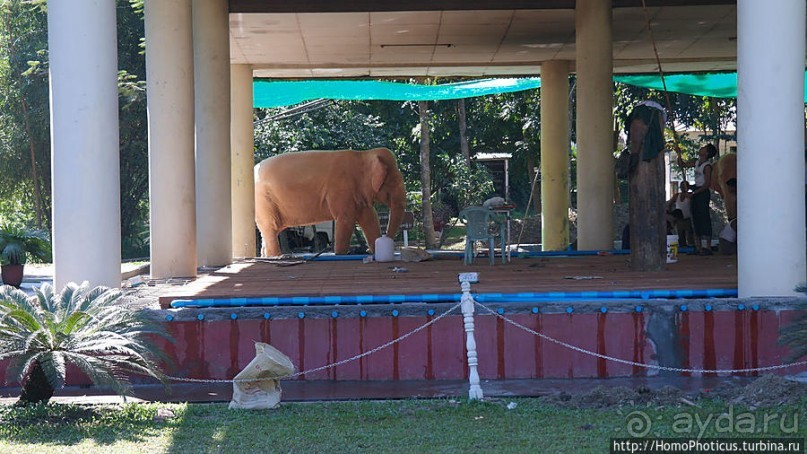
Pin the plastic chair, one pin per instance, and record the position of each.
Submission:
(480, 225)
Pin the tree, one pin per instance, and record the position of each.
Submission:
(466, 153)
(133, 142)
(509, 122)
(25, 196)
(425, 176)
(24, 114)
(326, 125)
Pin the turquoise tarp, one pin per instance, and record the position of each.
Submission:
(284, 93)
(718, 85)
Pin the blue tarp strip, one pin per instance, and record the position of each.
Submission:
(285, 93)
(270, 93)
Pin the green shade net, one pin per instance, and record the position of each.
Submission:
(720, 85)
(284, 93)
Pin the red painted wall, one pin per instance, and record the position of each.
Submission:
(709, 340)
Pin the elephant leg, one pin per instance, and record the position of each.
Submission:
(368, 220)
(341, 239)
(267, 222)
(270, 247)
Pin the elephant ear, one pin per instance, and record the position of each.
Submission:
(378, 173)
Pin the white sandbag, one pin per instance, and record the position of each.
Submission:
(262, 391)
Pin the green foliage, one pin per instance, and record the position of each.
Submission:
(794, 335)
(137, 6)
(19, 244)
(133, 130)
(509, 123)
(83, 326)
(467, 185)
(329, 126)
(25, 117)
(712, 116)
(136, 244)
(24, 113)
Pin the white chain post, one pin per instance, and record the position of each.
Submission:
(467, 305)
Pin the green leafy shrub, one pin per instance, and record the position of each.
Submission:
(84, 326)
(794, 335)
(469, 185)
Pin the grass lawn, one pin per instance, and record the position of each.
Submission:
(390, 426)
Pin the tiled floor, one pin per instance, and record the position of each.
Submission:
(260, 278)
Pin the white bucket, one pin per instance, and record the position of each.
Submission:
(672, 248)
(384, 249)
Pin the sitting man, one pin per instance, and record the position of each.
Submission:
(679, 215)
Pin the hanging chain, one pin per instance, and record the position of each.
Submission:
(327, 366)
(633, 363)
(517, 325)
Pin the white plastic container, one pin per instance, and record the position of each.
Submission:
(384, 249)
(672, 248)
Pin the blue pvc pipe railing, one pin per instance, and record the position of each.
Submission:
(523, 297)
(332, 258)
(568, 252)
(341, 258)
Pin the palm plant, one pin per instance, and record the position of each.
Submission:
(83, 326)
(18, 244)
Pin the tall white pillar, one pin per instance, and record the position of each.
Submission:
(243, 162)
(82, 44)
(770, 142)
(554, 155)
(595, 160)
(172, 191)
(211, 61)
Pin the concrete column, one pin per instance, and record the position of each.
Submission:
(82, 43)
(770, 142)
(595, 161)
(211, 61)
(555, 155)
(243, 162)
(172, 190)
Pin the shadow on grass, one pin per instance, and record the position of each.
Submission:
(70, 424)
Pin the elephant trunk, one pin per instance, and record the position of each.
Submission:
(396, 210)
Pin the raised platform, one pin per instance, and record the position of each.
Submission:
(256, 278)
(215, 343)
